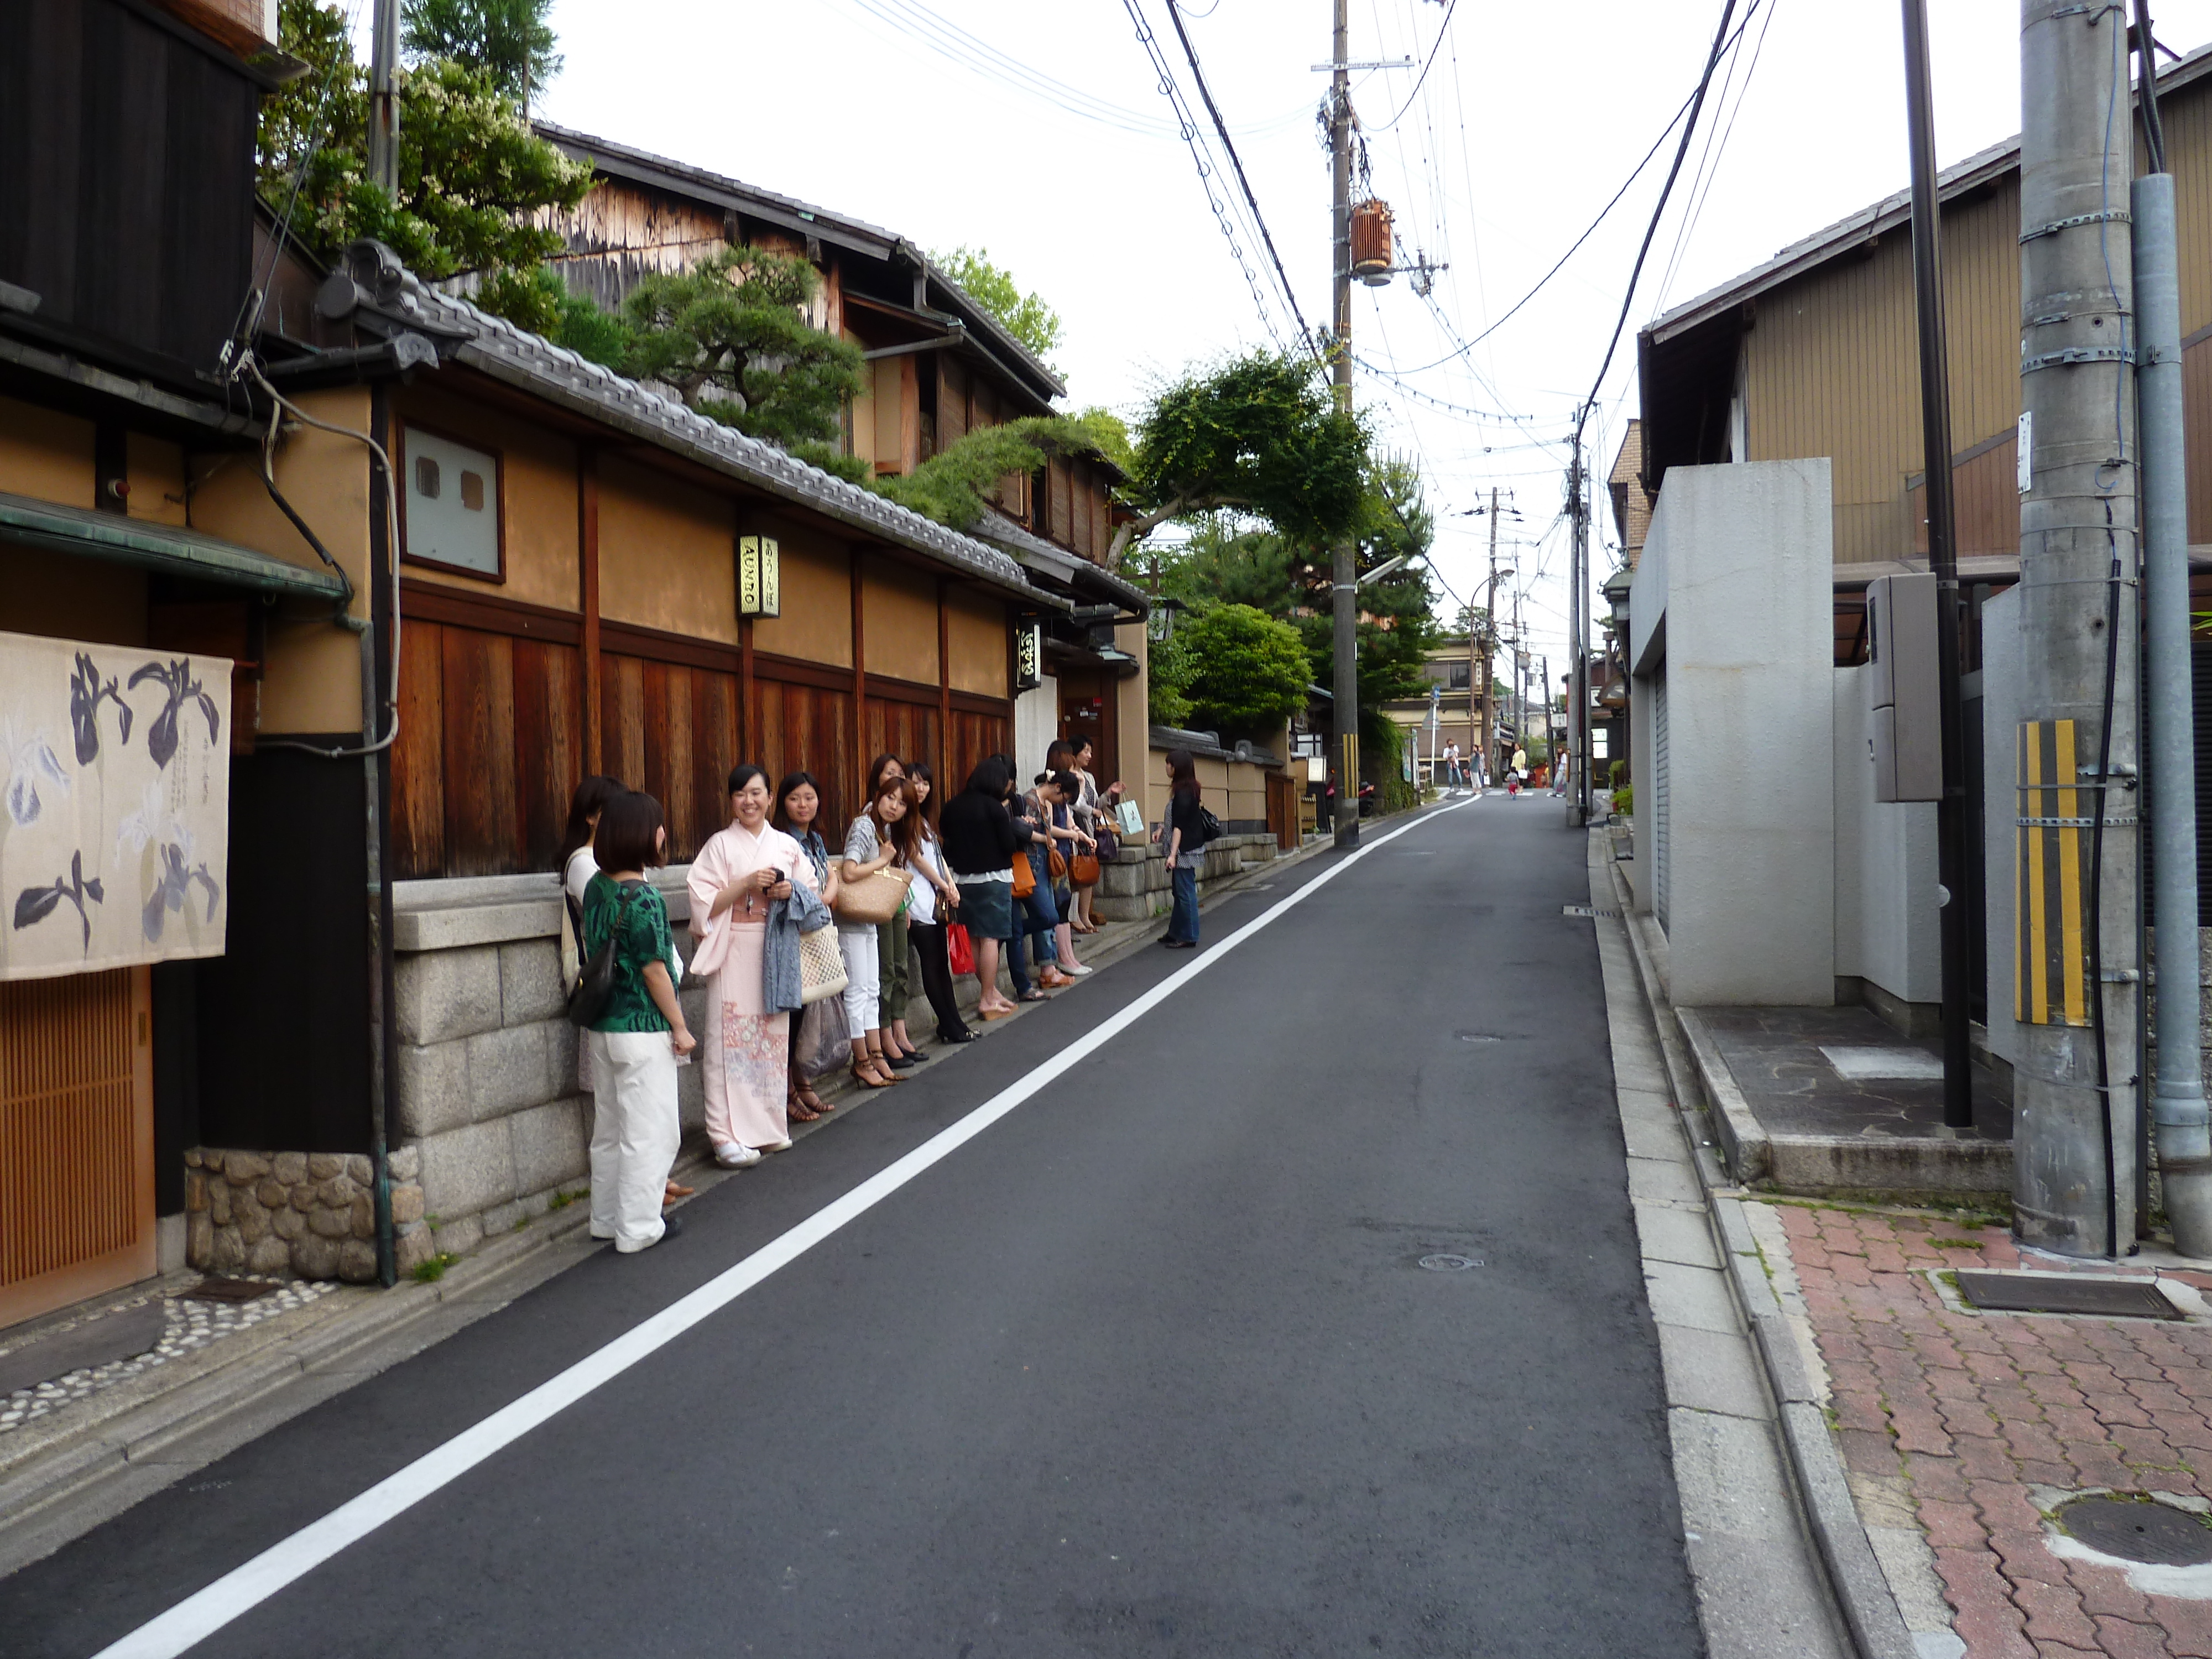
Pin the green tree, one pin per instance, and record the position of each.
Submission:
(471, 174)
(955, 485)
(1248, 672)
(1167, 672)
(1260, 433)
(510, 40)
(1025, 316)
(731, 334)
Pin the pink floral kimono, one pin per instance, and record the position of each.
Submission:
(744, 1051)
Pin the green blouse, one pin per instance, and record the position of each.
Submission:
(644, 940)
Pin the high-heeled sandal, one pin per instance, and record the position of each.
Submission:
(814, 1103)
(867, 1082)
(796, 1109)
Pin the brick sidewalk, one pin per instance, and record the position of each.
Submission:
(1980, 1415)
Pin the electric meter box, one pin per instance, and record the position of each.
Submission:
(1905, 731)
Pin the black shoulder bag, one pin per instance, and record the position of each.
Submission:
(595, 982)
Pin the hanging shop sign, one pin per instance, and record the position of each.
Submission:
(759, 577)
(114, 805)
(1029, 655)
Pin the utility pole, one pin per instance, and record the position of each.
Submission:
(384, 99)
(2177, 1104)
(1490, 642)
(2076, 1072)
(1578, 643)
(1951, 853)
(1346, 706)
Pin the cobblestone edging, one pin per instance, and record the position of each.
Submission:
(297, 1215)
(191, 1326)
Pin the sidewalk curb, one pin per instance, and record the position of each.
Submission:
(1855, 1577)
(46, 1464)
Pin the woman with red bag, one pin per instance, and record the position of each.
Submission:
(933, 910)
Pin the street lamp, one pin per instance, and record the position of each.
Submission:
(1615, 590)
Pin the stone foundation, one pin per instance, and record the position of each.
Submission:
(297, 1215)
(1133, 885)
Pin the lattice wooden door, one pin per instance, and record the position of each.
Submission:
(76, 1138)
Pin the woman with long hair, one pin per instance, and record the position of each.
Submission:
(740, 871)
(935, 905)
(635, 1126)
(1046, 807)
(979, 848)
(871, 845)
(798, 807)
(1182, 833)
(1093, 811)
(894, 952)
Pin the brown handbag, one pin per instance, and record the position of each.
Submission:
(873, 899)
(1056, 863)
(1083, 870)
(1024, 873)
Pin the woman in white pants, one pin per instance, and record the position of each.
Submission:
(636, 1130)
(870, 846)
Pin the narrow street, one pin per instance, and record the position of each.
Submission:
(1150, 1365)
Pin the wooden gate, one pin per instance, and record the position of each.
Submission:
(76, 1138)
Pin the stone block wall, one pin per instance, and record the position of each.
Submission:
(1133, 883)
(297, 1215)
(488, 1093)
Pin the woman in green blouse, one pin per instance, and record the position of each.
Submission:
(636, 1130)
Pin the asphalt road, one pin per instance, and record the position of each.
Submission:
(1148, 1367)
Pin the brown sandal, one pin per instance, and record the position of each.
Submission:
(797, 1110)
(812, 1102)
(867, 1081)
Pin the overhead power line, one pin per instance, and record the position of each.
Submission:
(1206, 92)
(1443, 29)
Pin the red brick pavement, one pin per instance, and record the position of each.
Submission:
(1974, 1410)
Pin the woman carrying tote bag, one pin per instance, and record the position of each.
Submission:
(739, 873)
(932, 908)
(869, 896)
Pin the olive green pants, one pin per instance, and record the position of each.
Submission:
(895, 969)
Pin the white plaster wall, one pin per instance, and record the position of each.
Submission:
(1747, 635)
(1036, 723)
(2003, 664)
(1886, 929)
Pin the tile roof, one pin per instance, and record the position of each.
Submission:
(497, 348)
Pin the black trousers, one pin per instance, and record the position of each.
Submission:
(937, 976)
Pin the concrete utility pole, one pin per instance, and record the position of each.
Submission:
(1578, 642)
(2075, 1079)
(384, 99)
(1951, 816)
(2177, 1105)
(1345, 639)
(1489, 628)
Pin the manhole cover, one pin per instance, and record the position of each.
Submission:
(2026, 1293)
(1450, 1264)
(228, 1290)
(1585, 910)
(2139, 1532)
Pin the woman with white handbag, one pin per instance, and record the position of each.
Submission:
(737, 875)
(873, 887)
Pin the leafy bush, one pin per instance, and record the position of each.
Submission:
(1623, 800)
(1248, 672)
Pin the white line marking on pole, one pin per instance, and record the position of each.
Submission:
(239, 1591)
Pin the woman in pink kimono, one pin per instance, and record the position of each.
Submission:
(746, 1051)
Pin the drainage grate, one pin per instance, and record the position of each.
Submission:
(1585, 910)
(2139, 1531)
(2027, 1293)
(228, 1290)
(1450, 1264)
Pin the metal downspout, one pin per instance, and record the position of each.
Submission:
(2178, 1118)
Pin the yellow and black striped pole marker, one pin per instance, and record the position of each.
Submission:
(2051, 956)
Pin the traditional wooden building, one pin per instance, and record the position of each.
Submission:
(938, 366)
(389, 621)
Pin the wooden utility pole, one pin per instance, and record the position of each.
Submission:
(1344, 708)
(1488, 631)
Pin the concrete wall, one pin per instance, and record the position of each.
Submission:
(1732, 605)
(1886, 910)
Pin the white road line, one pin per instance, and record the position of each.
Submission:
(243, 1588)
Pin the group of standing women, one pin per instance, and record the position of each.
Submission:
(773, 853)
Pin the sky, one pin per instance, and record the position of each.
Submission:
(1040, 133)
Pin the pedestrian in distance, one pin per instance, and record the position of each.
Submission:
(894, 953)
(577, 864)
(798, 810)
(635, 1128)
(1452, 778)
(870, 847)
(979, 848)
(935, 905)
(741, 870)
(1183, 835)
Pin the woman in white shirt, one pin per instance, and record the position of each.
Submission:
(934, 906)
(870, 846)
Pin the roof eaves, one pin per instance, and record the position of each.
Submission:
(497, 348)
(1876, 220)
(1001, 531)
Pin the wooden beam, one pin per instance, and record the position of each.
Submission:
(587, 600)
(946, 782)
(859, 687)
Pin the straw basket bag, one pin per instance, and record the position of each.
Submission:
(821, 966)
